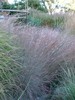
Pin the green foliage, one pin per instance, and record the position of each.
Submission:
(8, 67)
(23, 4)
(43, 19)
(34, 4)
(66, 91)
(6, 5)
(30, 3)
(38, 18)
(34, 21)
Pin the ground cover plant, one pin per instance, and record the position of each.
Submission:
(66, 91)
(38, 18)
(8, 67)
(43, 19)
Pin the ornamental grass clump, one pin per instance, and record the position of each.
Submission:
(42, 53)
(8, 67)
(66, 90)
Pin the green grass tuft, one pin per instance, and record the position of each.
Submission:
(8, 67)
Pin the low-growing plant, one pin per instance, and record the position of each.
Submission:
(38, 18)
(66, 90)
(70, 24)
(9, 69)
